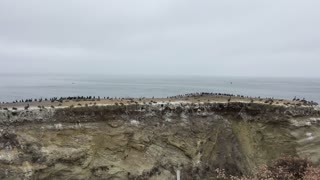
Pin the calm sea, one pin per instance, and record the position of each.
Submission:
(22, 86)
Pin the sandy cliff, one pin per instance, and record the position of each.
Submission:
(153, 141)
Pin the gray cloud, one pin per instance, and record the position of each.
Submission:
(234, 38)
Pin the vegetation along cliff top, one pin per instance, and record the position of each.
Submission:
(203, 97)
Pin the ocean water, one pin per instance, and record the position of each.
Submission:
(22, 86)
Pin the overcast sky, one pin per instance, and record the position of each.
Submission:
(172, 37)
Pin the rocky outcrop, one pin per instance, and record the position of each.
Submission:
(153, 141)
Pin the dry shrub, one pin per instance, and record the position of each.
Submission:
(289, 168)
(312, 173)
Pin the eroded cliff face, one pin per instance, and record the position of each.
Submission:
(152, 142)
